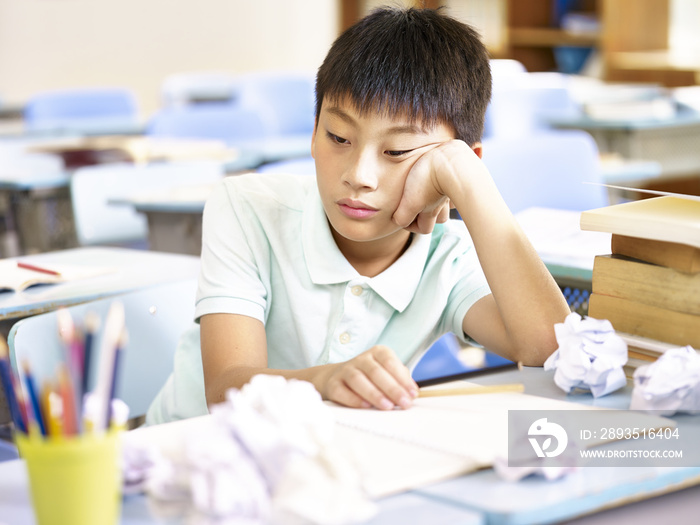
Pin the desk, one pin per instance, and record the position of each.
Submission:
(567, 251)
(133, 269)
(536, 501)
(453, 501)
(174, 217)
(408, 508)
(672, 142)
(39, 209)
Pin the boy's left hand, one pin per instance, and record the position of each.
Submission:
(425, 199)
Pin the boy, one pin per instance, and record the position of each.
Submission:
(344, 280)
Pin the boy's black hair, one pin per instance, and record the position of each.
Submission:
(411, 62)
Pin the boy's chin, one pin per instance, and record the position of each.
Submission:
(368, 234)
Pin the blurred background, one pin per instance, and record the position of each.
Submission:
(50, 44)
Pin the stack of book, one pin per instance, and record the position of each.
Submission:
(649, 285)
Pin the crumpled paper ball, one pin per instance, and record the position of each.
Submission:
(670, 384)
(512, 474)
(524, 460)
(265, 455)
(590, 356)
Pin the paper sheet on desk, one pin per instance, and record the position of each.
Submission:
(444, 437)
(558, 238)
(436, 439)
(12, 277)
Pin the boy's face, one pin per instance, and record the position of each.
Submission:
(362, 162)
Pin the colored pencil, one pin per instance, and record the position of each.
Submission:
(114, 327)
(115, 376)
(35, 404)
(70, 414)
(40, 269)
(92, 324)
(8, 384)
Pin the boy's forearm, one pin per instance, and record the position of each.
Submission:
(528, 298)
(237, 377)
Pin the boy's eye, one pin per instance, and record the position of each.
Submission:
(396, 153)
(336, 138)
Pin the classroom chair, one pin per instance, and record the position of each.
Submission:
(8, 451)
(155, 317)
(546, 170)
(284, 99)
(440, 360)
(99, 219)
(229, 123)
(199, 87)
(522, 104)
(87, 110)
(300, 166)
(505, 67)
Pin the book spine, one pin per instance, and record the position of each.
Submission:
(646, 283)
(682, 257)
(648, 321)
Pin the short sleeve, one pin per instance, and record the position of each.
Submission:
(233, 257)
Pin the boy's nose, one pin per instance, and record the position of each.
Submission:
(362, 173)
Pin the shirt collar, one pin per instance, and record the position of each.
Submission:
(327, 265)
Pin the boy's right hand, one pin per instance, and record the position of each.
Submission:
(375, 378)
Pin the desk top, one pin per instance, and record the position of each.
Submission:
(481, 498)
(681, 119)
(410, 507)
(567, 251)
(533, 501)
(132, 269)
(179, 199)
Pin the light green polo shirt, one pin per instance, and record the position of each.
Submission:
(268, 253)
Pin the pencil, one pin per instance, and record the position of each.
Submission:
(35, 403)
(9, 388)
(35, 268)
(469, 390)
(70, 414)
(92, 323)
(114, 327)
(115, 376)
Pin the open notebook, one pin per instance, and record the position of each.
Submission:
(15, 277)
(442, 437)
(436, 439)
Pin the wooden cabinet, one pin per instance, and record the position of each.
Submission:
(533, 36)
(632, 42)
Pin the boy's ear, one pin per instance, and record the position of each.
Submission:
(478, 149)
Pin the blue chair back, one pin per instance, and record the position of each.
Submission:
(8, 451)
(523, 103)
(300, 166)
(155, 317)
(82, 110)
(285, 100)
(216, 121)
(546, 170)
(440, 360)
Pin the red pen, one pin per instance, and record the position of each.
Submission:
(28, 266)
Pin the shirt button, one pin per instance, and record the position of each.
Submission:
(344, 338)
(356, 290)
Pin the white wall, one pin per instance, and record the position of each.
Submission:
(684, 37)
(49, 44)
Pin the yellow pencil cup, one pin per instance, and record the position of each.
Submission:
(73, 480)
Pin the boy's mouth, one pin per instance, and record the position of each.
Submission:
(355, 209)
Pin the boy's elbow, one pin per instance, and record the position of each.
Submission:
(535, 350)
